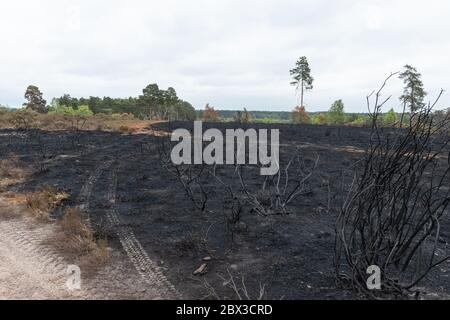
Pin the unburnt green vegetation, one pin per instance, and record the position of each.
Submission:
(153, 103)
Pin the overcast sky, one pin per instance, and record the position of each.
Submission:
(230, 53)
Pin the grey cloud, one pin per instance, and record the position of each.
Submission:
(228, 52)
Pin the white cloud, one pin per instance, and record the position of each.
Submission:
(227, 52)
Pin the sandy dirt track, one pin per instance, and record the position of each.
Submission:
(32, 269)
(29, 270)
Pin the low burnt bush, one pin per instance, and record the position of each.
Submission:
(237, 189)
(393, 210)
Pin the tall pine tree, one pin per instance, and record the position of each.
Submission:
(414, 93)
(302, 79)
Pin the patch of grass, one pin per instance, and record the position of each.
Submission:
(13, 170)
(26, 120)
(78, 238)
(41, 203)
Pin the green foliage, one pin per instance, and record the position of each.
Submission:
(185, 111)
(270, 120)
(84, 110)
(360, 121)
(336, 114)
(59, 109)
(164, 104)
(390, 118)
(257, 116)
(301, 74)
(301, 77)
(153, 99)
(66, 100)
(35, 100)
(56, 107)
(414, 93)
(319, 119)
(154, 103)
(4, 109)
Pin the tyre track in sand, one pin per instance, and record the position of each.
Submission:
(26, 256)
(29, 269)
(84, 197)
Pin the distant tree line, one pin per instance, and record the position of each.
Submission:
(154, 103)
(256, 116)
(160, 104)
(4, 109)
(336, 115)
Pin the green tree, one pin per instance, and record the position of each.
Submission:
(54, 105)
(360, 121)
(35, 100)
(170, 96)
(153, 103)
(68, 101)
(413, 93)
(152, 98)
(5, 109)
(95, 104)
(160, 104)
(390, 118)
(152, 94)
(336, 114)
(84, 110)
(168, 109)
(185, 111)
(302, 79)
(60, 109)
(319, 119)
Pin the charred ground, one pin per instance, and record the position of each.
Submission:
(290, 255)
